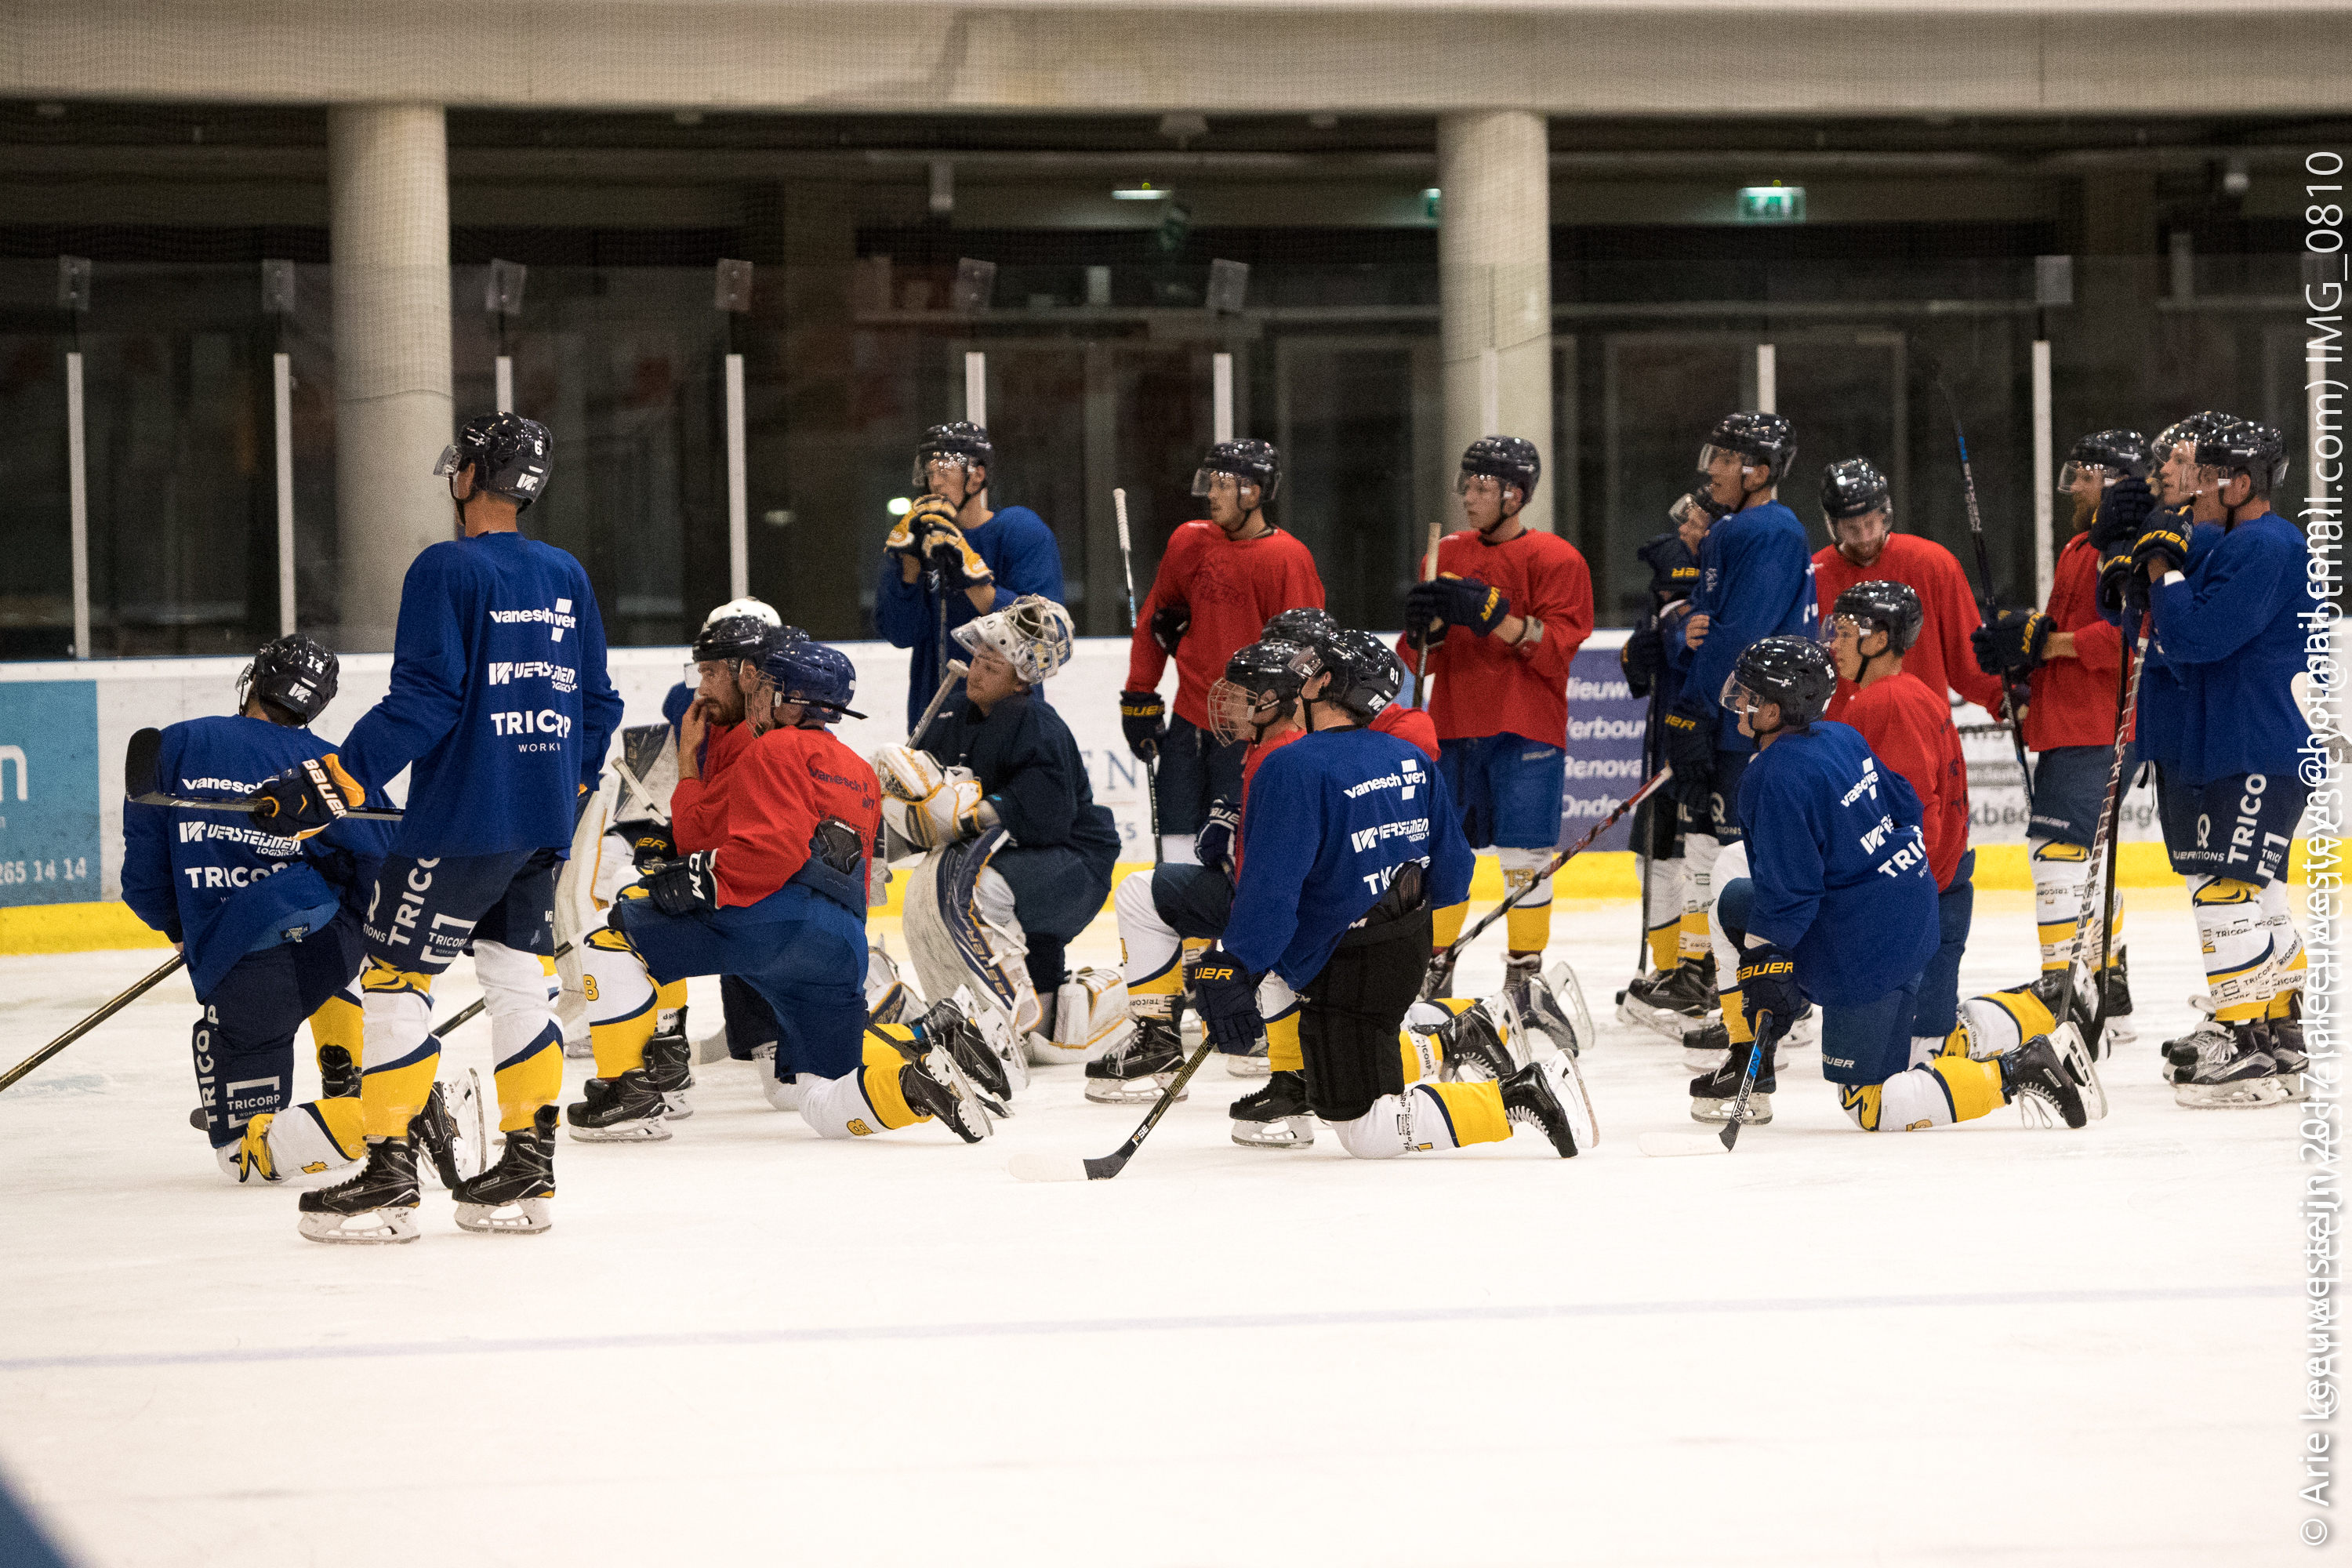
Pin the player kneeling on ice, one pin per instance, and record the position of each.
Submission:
(995, 786)
(1350, 837)
(1836, 903)
(780, 899)
(269, 924)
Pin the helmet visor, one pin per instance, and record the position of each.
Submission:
(1737, 699)
(2071, 474)
(1864, 530)
(451, 461)
(930, 466)
(1209, 481)
(1711, 457)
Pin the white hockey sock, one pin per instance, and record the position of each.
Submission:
(1152, 947)
(2060, 874)
(1700, 853)
(1426, 1118)
(2289, 965)
(2236, 933)
(1661, 911)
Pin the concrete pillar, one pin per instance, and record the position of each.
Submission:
(388, 172)
(1494, 269)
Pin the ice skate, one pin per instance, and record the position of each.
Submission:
(1251, 1065)
(947, 1026)
(2034, 1080)
(669, 1072)
(339, 1076)
(624, 1110)
(1548, 1095)
(1142, 1068)
(2209, 1034)
(2116, 998)
(2231, 1070)
(510, 1197)
(2286, 1047)
(1474, 1046)
(377, 1207)
(449, 1132)
(1676, 1003)
(935, 1086)
(1277, 1116)
(1536, 1002)
(1713, 1093)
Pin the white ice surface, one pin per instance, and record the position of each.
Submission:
(1980, 1343)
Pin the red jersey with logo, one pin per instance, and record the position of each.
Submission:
(1484, 685)
(769, 799)
(1232, 588)
(2073, 702)
(1942, 659)
(701, 823)
(1910, 728)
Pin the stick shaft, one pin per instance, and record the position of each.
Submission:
(190, 803)
(2108, 812)
(1986, 608)
(1126, 552)
(1767, 1038)
(956, 668)
(1649, 787)
(123, 999)
(1420, 658)
(1114, 1163)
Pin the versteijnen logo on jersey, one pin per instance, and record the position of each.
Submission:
(505, 672)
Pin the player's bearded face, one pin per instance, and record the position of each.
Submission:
(2086, 489)
(721, 689)
(1862, 539)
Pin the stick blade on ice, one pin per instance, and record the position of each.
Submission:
(1033, 1165)
(1675, 1145)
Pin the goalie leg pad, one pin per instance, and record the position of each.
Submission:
(962, 929)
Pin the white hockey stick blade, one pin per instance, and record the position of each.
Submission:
(1033, 1165)
(2066, 1039)
(1673, 1145)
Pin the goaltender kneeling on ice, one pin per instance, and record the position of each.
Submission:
(1829, 897)
(770, 884)
(1019, 855)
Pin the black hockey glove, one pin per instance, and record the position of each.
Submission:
(2123, 514)
(1226, 995)
(2013, 644)
(686, 886)
(1689, 740)
(1642, 657)
(1144, 718)
(1214, 842)
(1465, 601)
(308, 798)
(2118, 585)
(650, 843)
(2166, 541)
(1768, 984)
(1169, 624)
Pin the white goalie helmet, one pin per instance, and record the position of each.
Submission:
(1032, 634)
(759, 609)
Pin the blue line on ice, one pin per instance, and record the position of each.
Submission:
(1203, 1324)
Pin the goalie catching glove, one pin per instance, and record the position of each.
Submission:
(928, 804)
(308, 798)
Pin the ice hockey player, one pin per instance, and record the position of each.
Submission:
(269, 926)
(499, 773)
(1502, 621)
(1869, 631)
(2070, 656)
(770, 884)
(1350, 837)
(758, 611)
(1681, 980)
(1219, 582)
(1755, 580)
(996, 782)
(1829, 897)
(1865, 548)
(955, 556)
(2233, 627)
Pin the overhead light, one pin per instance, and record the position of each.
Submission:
(1775, 203)
(1144, 192)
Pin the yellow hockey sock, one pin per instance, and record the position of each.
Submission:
(880, 1077)
(1282, 1054)
(532, 1080)
(668, 997)
(620, 1045)
(1975, 1087)
(1666, 945)
(1445, 925)
(1420, 1054)
(2057, 942)
(338, 1023)
(393, 1093)
(1475, 1110)
(1530, 928)
(1694, 938)
(1735, 1017)
(341, 1120)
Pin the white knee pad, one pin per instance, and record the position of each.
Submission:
(618, 985)
(518, 992)
(1151, 942)
(1729, 866)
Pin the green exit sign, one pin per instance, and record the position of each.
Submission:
(1771, 204)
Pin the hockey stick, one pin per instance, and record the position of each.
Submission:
(1986, 608)
(1034, 1167)
(2110, 811)
(1666, 1145)
(139, 783)
(957, 670)
(123, 1000)
(1649, 852)
(1420, 658)
(1650, 787)
(2113, 823)
(1150, 764)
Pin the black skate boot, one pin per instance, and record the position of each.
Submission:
(669, 1072)
(2232, 1070)
(1549, 1095)
(2115, 996)
(962, 1037)
(933, 1085)
(510, 1197)
(1705, 1047)
(1142, 1068)
(1713, 1094)
(2034, 1080)
(339, 1076)
(2286, 1046)
(448, 1131)
(1678, 1003)
(1275, 1117)
(377, 1205)
(1474, 1047)
(624, 1110)
(1536, 1002)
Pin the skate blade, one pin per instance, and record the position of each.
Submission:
(2252, 1094)
(522, 1216)
(1676, 1145)
(1247, 1067)
(1567, 1083)
(1719, 1111)
(1290, 1132)
(369, 1228)
(1674, 1026)
(650, 1130)
(1132, 1091)
(2075, 1058)
(679, 1110)
(1577, 1018)
(1033, 1166)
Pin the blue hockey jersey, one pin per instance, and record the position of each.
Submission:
(214, 881)
(499, 703)
(1332, 816)
(1755, 581)
(1838, 863)
(2233, 625)
(1019, 549)
(2163, 692)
